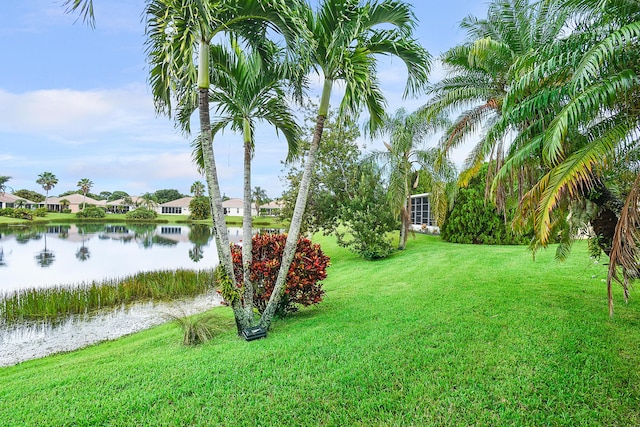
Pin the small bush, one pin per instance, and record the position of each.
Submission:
(40, 212)
(200, 329)
(91, 212)
(303, 285)
(66, 211)
(142, 213)
(19, 213)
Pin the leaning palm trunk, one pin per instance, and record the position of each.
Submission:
(211, 172)
(247, 225)
(625, 250)
(301, 202)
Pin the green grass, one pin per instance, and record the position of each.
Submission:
(439, 334)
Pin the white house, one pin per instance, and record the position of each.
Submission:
(234, 207)
(422, 216)
(176, 207)
(9, 201)
(272, 208)
(123, 205)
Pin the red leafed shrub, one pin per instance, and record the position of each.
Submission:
(303, 285)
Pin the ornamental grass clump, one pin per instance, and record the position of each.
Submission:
(200, 328)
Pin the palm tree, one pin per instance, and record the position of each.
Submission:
(3, 184)
(148, 201)
(580, 95)
(179, 40)
(47, 180)
(85, 185)
(480, 74)
(402, 160)
(247, 88)
(348, 35)
(64, 203)
(259, 197)
(197, 189)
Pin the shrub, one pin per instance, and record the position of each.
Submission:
(475, 220)
(303, 285)
(40, 212)
(66, 210)
(19, 213)
(91, 212)
(142, 213)
(200, 208)
(199, 329)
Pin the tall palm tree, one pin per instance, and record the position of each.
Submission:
(348, 35)
(480, 74)
(403, 158)
(248, 88)
(85, 185)
(180, 33)
(47, 180)
(197, 189)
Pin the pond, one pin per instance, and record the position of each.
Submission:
(64, 254)
(67, 254)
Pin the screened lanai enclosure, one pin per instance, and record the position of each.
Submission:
(422, 216)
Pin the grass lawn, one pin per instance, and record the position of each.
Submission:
(439, 334)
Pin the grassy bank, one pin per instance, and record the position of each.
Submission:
(439, 334)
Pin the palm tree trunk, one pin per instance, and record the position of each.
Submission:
(605, 222)
(211, 173)
(247, 225)
(301, 202)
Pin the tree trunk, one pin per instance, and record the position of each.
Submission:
(211, 174)
(247, 224)
(605, 222)
(301, 202)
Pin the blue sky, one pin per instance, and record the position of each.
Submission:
(75, 101)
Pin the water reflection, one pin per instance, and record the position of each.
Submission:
(84, 252)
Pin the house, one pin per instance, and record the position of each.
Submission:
(176, 207)
(235, 207)
(272, 208)
(422, 216)
(123, 205)
(75, 202)
(9, 201)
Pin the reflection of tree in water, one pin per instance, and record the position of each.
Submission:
(27, 234)
(199, 235)
(45, 257)
(83, 253)
(2, 261)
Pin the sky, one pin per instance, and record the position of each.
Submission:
(75, 101)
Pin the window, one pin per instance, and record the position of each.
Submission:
(171, 210)
(170, 230)
(421, 211)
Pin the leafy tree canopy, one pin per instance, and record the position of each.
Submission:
(29, 195)
(167, 195)
(117, 195)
